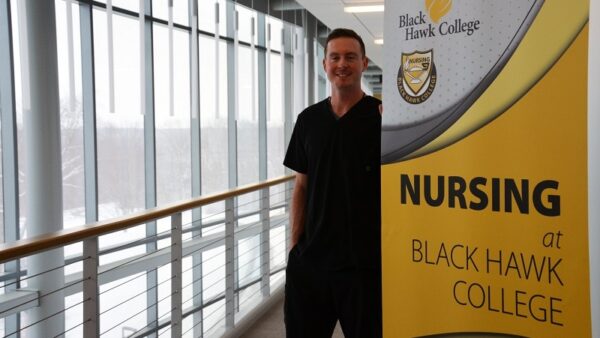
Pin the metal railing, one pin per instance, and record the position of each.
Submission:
(215, 268)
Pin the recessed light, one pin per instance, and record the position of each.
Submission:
(378, 41)
(363, 9)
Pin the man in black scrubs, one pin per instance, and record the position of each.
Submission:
(334, 266)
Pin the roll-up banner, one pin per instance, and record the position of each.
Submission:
(485, 169)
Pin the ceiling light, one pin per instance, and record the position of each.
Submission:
(363, 9)
(378, 41)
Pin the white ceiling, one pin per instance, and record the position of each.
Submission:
(368, 25)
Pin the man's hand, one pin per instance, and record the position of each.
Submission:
(298, 208)
(380, 109)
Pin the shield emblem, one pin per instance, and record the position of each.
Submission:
(416, 70)
(465, 64)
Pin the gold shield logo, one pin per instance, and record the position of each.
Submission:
(417, 76)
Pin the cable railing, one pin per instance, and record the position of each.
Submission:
(197, 278)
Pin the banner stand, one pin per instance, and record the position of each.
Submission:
(594, 163)
(491, 169)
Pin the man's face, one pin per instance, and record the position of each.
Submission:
(344, 62)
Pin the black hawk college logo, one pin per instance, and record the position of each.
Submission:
(417, 76)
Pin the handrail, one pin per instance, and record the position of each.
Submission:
(28, 246)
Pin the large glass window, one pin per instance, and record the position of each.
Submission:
(120, 134)
(299, 73)
(247, 129)
(173, 140)
(322, 82)
(213, 116)
(72, 151)
(160, 10)
(275, 119)
(206, 16)
(71, 114)
(133, 6)
(123, 306)
(245, 16)
(213, 277)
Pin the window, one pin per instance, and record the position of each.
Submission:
(71, 114)
(160, 10)
(120, 134)
(206, 16)
(213, 115)
(173, 140)
(247, 133)
(245, 16)
(122, 130)
(275, 119)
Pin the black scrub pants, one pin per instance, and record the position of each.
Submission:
(316, 300)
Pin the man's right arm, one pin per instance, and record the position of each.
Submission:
(298, 208)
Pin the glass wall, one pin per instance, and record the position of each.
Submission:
(71, 113)
(141, 74)
(172, 115)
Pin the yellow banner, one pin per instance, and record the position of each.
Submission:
(488, 233)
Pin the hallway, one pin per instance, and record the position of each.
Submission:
(271, 325)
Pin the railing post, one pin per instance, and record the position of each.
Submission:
(91, 313)
(265, 219)
(229, 263)
(176, 257)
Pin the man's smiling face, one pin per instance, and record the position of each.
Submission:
(344, 62)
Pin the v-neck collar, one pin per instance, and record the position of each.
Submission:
(335, 116)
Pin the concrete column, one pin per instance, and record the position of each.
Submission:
(43, 156)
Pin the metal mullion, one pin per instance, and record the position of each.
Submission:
(262, 156)
(196, 158)
(10, 185)
(110, 56)
(236, 61)
(315, 57)
(291, 112)
(147, 106)
(90, 290)
(71, 56)
(171, 62)
(262, 99)
(253, 72)
(90, 149)
(232, 97)
(306, 59)
(268, 70)
(288, 116)
(283, 77)
(217, 62)
(236, 69)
